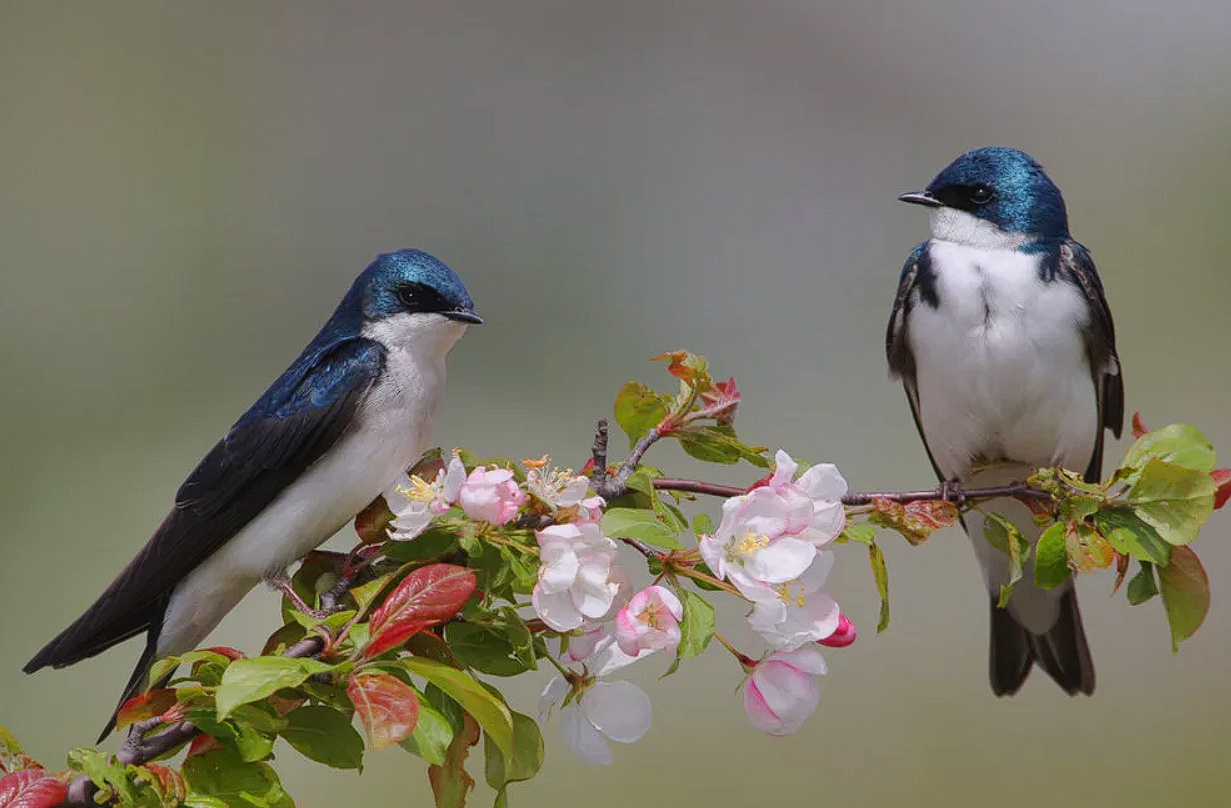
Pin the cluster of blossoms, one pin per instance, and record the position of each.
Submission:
(770, 545)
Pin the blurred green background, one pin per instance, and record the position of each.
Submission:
(188, 189)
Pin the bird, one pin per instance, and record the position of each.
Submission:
(350, 414)
(1003, 340)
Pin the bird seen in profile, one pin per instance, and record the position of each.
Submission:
(333, 431)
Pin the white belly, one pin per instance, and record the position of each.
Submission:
(390, 429)
(1001, 368)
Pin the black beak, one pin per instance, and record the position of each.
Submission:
(924, 198)
(464, 316)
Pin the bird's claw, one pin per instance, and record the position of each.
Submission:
(329, 600)
(952, 491)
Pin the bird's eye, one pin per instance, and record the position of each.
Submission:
(406, 295)
(981, 194)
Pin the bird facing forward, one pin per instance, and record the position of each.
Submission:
(1004, 342)
(350, 414)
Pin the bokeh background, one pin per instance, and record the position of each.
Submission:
(188, 189)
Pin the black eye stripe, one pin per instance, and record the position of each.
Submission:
(418, 297)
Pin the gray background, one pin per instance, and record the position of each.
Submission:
(188, 192)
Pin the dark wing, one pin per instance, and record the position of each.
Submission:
(917, 277)
(289, 427)
(1077, 266)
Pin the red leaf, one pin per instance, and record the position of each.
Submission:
(914, 520)
(1223, 478)
(172, 782)
(1139, 428)
(201, 744)
(720, 402)
(32, 788)
(427, 597)
(688, 368)
(226, 651)
(147, 705)
(387, 706)
(372, 523)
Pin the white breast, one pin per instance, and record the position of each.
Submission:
(390, 428)
(1001, 368)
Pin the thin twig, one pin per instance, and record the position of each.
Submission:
(643, 548)
(948, 494)
(139, 748)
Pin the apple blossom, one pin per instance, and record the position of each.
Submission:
(779, 695)
(414, 502)
(578, 579)
(843, 635)
(795, 612)
(556, 488)
(491, 494)
(600, 710)
(650, 621)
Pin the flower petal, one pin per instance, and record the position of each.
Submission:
(620, 710)
(552, 694)
(783, 560)
(582, 739)
(556, 609)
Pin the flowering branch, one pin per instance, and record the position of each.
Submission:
(468, 568)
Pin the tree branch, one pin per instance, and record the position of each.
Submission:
(139, 749)
(947, 493)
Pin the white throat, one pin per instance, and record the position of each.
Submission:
(960, 227)
(426, 336)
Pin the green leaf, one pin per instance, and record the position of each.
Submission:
(432, 543)
(1051, 565)
(696, 628)
(1142, 587)
(451, 783)
(248, 680)
(1129, 535)
(484, 650)
(325, 735)
(1180, 444)
(718, 444)
(527, 758)
(634, 523)
(491, 713)
(220, 777)
(702, 525)
(861, 532)
(881, 573)
(638, 409)
(1005, 537)
(1186, 594)
(1175, 501)
(432, 734)
(105, 771)
(248, 741)
(10, 752)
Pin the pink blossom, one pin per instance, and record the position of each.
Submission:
(795, 612)
(578, 579)
(780, 694)
(842, 636)
(650, 621)
(491, 494)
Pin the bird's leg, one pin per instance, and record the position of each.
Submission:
(951, 491)
(281, 581)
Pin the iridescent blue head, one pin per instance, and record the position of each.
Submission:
(411, 282)
(1004, 187)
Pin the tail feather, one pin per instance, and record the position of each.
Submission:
(1061, 651)
(136, 682)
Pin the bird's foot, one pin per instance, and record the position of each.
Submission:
(329, 605)
(952, 491)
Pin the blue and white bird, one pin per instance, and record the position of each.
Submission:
(349, 415)
(1004, 342)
